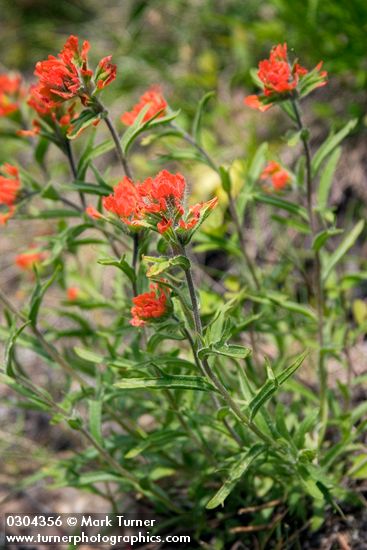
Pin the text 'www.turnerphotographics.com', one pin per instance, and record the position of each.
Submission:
(92, 529)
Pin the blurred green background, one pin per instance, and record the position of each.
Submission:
(191, 45)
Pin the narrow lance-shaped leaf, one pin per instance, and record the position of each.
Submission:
(122, 265)
(175, 382)
(228, 350)
(237, 470)
(88, 355)
(322, 237)
(291, 207)
(95, 419)
(139, 126)
(196, 127)
(271, 386)
(326, 179)
(342, 249)
(330, 144)
(160, 265)
(9, 349)
(38, 295)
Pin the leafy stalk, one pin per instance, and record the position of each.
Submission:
(232, 208)
(208, 371)
(318, 287)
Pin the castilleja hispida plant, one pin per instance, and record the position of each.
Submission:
(189, 329)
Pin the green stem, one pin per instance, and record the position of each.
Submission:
(232, 208)
(127, 171)
(74, 171)
(318, 289)
(208, 370)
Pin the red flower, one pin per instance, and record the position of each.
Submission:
(280, 78)
(124, 201)
(106, 72)
(162, 193)
(149, 306)
(10, 93)
(93, 213)
(72, 293)
(278, 175)
(9, 188)
(67, 76)
(56, 116)
(254, 102)
(154, 98)
(28, 259)
(157, 203)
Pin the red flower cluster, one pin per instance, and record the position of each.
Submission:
(55, 116)
(124, 202)
(278, 175)
(154, 98)
(149, 306)
(156, 203)
(28, 259)
(67, 76)
(9, 188)
(10, 93)
(279, 78)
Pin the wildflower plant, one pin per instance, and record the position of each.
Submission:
(236, 386)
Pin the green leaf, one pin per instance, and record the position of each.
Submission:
(271, 386)
(139, 126)
(160, 265)
(291, 207)
(342, 249)
(121, 264)
(322, 237)
(95, 419)
(293, 138)
(92, 153)
(283, 302)
(330, 144)
(225, 179)
(196, 127)
(88, 355)
(85, 119)
(51, 214)
(237, 470)
(174, 382)
(41, 150)
(228, 350)
(49, 192)
(156, 441)
(38, 294)
(9, 348)
(326, 179)
(89, 188)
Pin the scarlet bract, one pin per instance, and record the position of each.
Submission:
(280, 79)
(9, 189)
(149, 306)
(157, 203)
(68, 76)
(152, 97)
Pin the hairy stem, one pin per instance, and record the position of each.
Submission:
(232, 208)
(208, 370)
(128, 172)
(318, 289)
(122, 158)
(70, 155)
